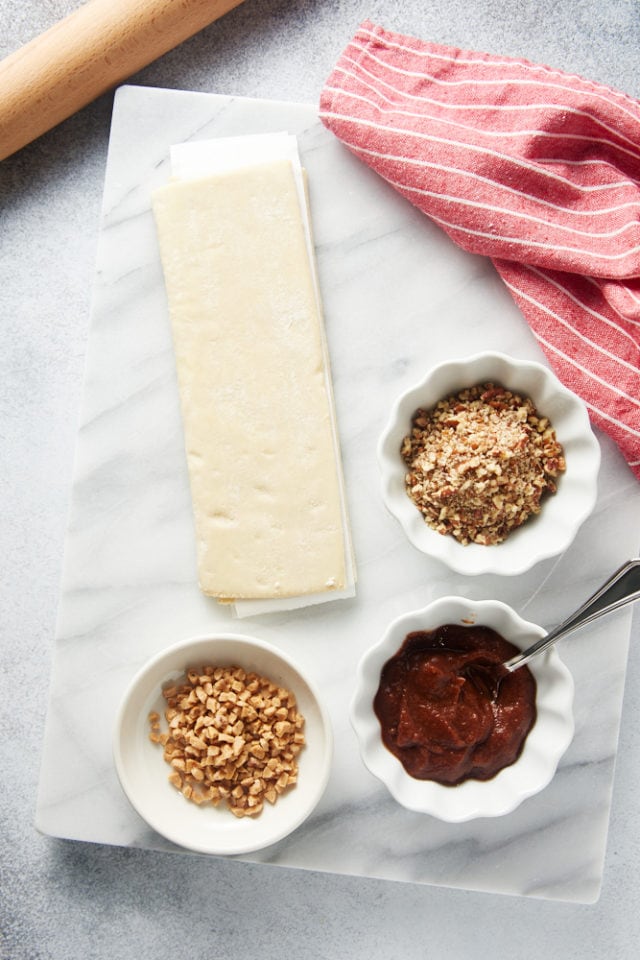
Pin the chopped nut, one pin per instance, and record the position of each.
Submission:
(479, 475)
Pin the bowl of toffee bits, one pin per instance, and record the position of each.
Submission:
(222, 744)
(489, 464)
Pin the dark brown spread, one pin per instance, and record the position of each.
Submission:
(437, 721)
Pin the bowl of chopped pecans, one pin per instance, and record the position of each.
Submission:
(489, 464)
(222, 745)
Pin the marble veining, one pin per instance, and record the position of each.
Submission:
(398, 296)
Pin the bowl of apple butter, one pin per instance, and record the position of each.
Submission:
(441, 742)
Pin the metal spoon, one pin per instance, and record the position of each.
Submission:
(621, 588)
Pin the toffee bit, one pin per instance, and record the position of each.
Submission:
(254, 733)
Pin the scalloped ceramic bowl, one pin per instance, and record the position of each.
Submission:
(554, 528)
(546, 742)
(144, 773)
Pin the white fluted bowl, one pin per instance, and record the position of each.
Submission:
(550, 532)
(545, 744)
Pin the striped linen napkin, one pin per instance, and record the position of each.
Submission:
(535, 168)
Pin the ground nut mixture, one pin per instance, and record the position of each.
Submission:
(232, 736)
(480, 462)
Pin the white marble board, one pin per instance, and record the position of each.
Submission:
(398, 296)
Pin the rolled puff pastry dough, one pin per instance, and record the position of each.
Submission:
(254, 386)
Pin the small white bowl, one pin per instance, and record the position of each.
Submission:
(144, 773)
(554, 528)
(546, 742)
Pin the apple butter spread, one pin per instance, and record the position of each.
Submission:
(439, 723)
(480, 463)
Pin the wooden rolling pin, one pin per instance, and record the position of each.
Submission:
(93, 49)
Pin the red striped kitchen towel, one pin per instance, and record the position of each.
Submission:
(535, 168)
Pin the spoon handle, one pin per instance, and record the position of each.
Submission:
(621, 588)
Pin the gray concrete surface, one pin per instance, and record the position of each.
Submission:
(61, 900)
